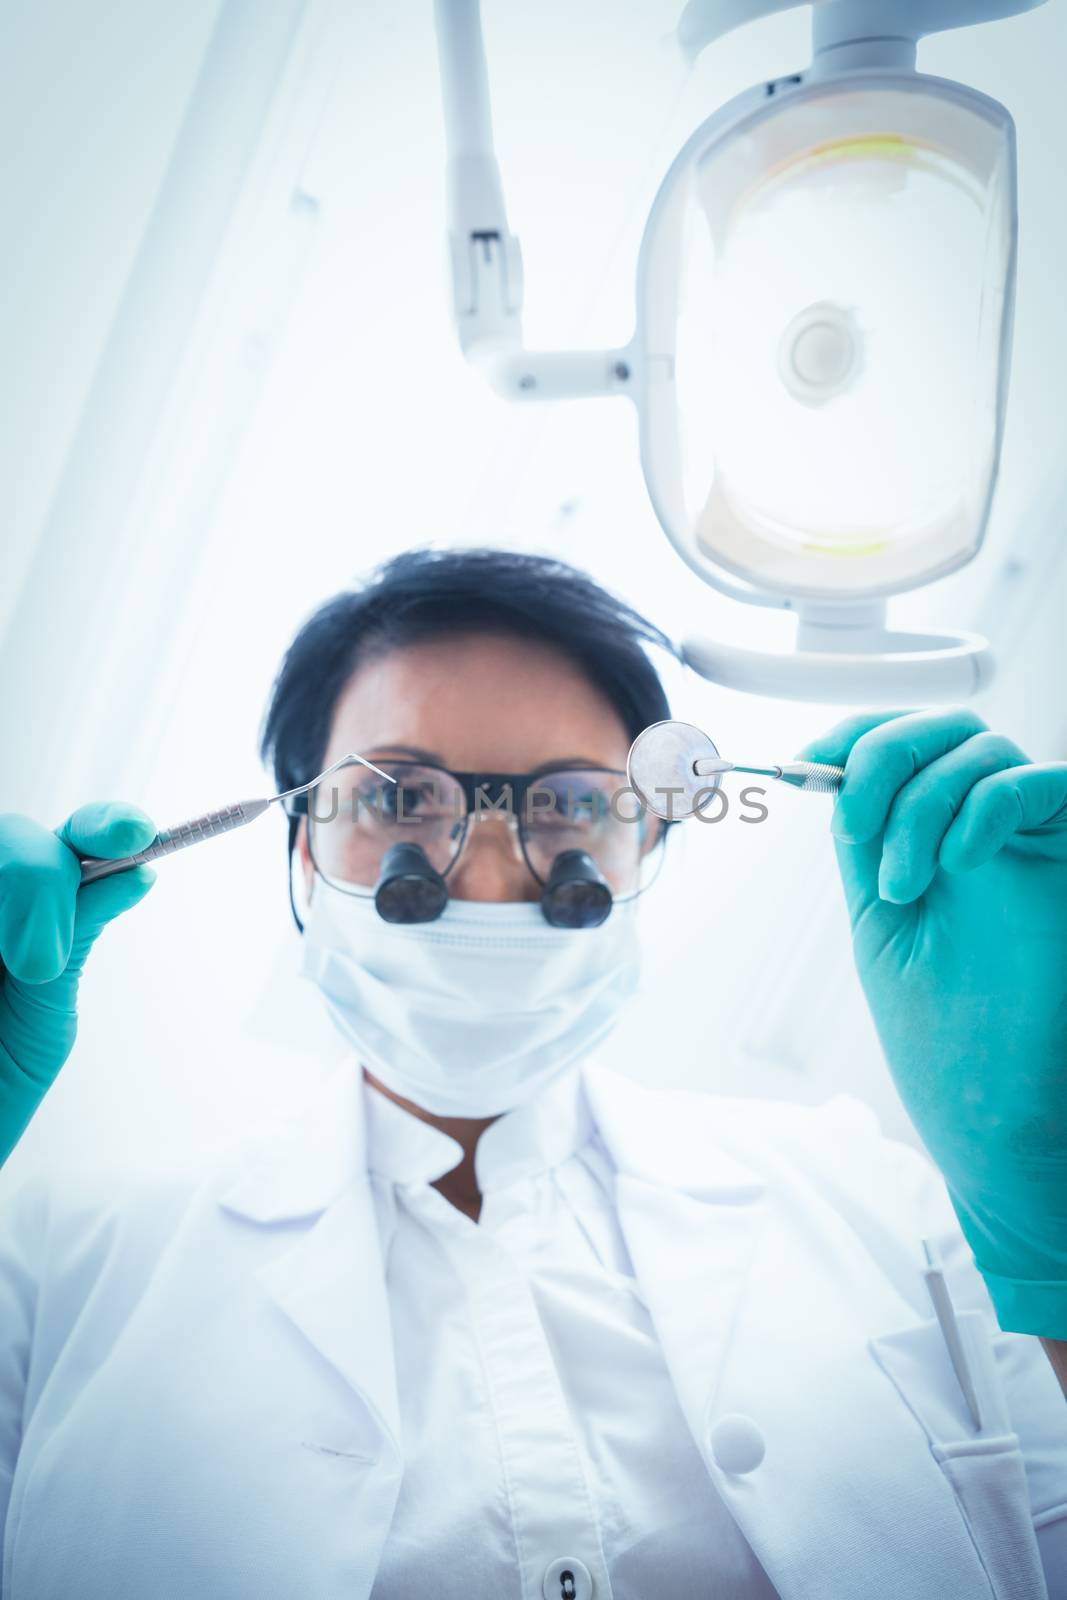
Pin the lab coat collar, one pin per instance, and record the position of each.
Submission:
(521, 1143)
(301, 1170)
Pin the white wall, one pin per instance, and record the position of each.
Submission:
(320, 417)
(92, 100)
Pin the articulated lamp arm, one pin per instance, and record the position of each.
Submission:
(485, 256)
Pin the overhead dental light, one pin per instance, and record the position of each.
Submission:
(820, 362)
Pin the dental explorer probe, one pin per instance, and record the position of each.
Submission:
(673, 768)
(207, 826)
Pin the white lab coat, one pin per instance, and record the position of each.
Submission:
(197, 1394)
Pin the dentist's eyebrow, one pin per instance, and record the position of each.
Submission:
(415, 751)
(434, 758)
(584, 762)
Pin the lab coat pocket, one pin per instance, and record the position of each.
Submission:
(983, 1465)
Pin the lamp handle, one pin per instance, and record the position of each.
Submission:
(911, 667)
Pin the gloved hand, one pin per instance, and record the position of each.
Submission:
(953, 852)
(47, 927)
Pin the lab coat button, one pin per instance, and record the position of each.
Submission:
(736, 1443)
(567, 1579)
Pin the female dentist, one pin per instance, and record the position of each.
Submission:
(493, 1321)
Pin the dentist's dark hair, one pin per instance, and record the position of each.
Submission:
(425, 594)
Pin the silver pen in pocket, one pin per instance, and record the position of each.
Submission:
(946, 1316)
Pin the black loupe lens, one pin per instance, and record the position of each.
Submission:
(576, 894)
(409, 889)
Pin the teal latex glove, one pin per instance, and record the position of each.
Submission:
(953, 853)
(47, 926)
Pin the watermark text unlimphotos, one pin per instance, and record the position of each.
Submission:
(406, 805)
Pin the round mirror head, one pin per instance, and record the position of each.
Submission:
(660, 769)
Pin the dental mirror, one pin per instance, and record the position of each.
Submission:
(660, 768)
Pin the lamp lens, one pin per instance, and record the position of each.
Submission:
(845, 278)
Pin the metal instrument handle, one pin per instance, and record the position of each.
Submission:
(177, 838)
(815, 777)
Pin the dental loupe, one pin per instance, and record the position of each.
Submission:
(820, 360)
(410, 889)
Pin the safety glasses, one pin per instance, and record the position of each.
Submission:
(356, 818)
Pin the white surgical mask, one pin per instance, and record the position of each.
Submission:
(469, 1015)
